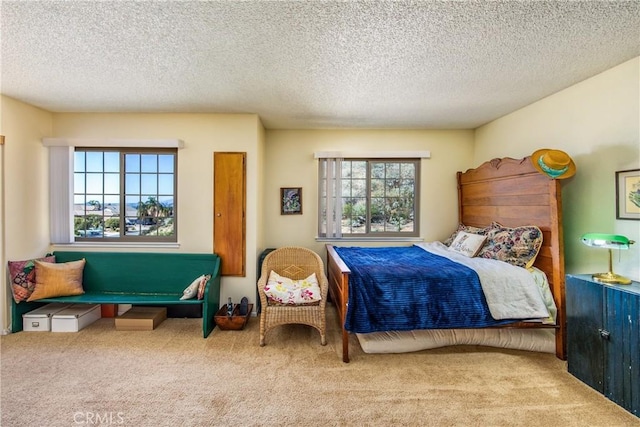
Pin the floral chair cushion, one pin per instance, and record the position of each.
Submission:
(283, 290)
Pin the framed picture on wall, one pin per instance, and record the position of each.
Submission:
(628, 194)
(291, 201)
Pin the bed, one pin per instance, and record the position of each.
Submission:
(507, 191)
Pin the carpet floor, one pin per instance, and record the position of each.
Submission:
(171, 376)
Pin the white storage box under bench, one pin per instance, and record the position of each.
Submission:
(40, 318)
(75, 317)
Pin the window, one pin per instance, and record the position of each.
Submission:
(124, 194)
(370, 197)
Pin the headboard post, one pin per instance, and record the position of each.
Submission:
(559, 277)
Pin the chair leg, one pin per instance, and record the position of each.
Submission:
(262, 326)
(323, 335)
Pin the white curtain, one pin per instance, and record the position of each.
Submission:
(61, 194)
(330, 168)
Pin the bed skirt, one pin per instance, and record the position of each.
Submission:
(529, 339)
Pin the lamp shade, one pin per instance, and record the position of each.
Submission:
(606, 241)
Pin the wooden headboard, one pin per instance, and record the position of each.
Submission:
(513, 193)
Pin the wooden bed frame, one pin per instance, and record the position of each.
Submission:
(513, 193)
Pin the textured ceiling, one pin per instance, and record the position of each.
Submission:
(314, 64)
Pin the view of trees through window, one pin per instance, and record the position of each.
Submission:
(378, 197)
(124, 194)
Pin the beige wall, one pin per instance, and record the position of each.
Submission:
(24, 229)
(290, 163)
(598, 123)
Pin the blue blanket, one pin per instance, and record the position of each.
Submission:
(405, 288)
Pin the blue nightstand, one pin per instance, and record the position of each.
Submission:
(603, 338)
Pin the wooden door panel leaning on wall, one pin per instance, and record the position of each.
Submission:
(229, 205)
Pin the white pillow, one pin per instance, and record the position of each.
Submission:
(467, 243)
(283, 290)
(192, 290)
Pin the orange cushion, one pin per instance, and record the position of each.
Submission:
(58, 279)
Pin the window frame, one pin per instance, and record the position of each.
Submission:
(122, 196)
(368, 234)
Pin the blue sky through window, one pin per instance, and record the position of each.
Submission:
(97, 173)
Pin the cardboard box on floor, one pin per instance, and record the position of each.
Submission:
(141, 319)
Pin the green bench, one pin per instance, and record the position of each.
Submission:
(139, 278)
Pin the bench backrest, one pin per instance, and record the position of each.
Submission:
(141, 272)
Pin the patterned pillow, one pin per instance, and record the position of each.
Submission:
(468, 229)
(468, 244)
(191, 291)
(518, 246)
(23, 277)
(202, 284)
(282, 290)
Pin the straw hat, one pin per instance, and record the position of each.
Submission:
(555, 164)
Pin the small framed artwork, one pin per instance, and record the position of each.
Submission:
(291, 201)
(628, 194)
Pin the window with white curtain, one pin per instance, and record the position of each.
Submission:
(368, 197)
(113, 191)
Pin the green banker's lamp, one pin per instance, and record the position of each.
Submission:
(608, 241)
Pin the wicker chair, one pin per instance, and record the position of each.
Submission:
(295, 263)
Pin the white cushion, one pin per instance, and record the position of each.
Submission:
(468, 244)
(283, 290)
(192, 290)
